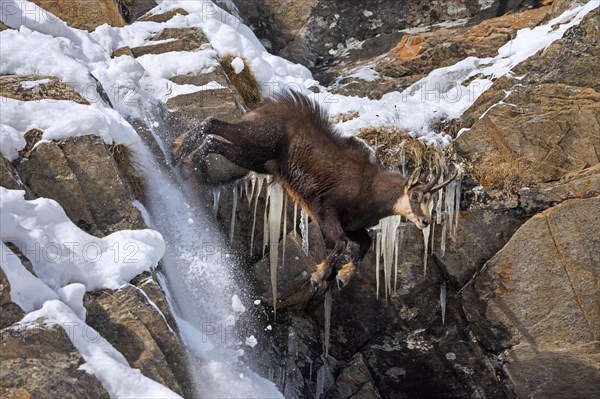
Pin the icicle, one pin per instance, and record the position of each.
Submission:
(399, 248)
(403, 161)
(252, 187)
(275, 211)
(389, 226)
(247, 190)
(327, 304)
(396, 247)
(325, 379)
(439, 204)
(260, 183)
(233, 213)
(449, 204)
(216, 195)
(443, 239)
(426, 232)
(292, 343)
(266, 218)
(432, 237)
(304, 230)
(456, 206)
(295, 218)
(377, 257)
(285, 202)
(443, 301)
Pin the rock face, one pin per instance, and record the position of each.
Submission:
(417, 54)
(39, 361)
(318, 31)
(536, 302)
(87, 14)
(141, 332)
(548, 121)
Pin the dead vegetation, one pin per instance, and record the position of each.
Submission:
(244, 82)
(395, 147)
(501, 172)
(129, 168)
(344, 117)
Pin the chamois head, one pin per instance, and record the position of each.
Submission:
(417, 195)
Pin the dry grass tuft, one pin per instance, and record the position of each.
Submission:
(503, 173)
(129, 169)
(344, 117)
(395, 147)
(244, 82)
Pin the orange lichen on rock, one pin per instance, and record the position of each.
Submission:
(409, 47)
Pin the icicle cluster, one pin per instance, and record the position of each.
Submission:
(388, 235)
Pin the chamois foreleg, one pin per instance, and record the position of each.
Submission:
(331, 228)
(188, 142)
(364, 240)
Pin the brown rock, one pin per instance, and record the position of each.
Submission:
(549, 121)
(49, 175)
(185, 39)
(538, 298)
(164, 17)
(11, 86)
(39, 361)
(83, 14)
(10, 312)
(107, 196)
(355, 380)
(134, 327)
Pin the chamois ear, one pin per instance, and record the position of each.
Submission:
(414, 178)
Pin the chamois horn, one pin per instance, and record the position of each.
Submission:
(433, 179)
(433, 189)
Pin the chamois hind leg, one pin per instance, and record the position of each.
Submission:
(364, 240)
(331, 228)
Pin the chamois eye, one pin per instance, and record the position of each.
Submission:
(414, 196)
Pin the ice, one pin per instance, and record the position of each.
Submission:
(457, 206)
(450, 208)
(251, 341)
(304, 230)
(259, 184)
(377, 258)
(389, 237)
(292, 349)
(327, 312)
(444, 234)
(295, 218)
(284, 240)
(443, 301)
(216, 195)
(233, 213)
(325, 379)
(426, 233)
(439, 204)
(276, 195)
(236, 304)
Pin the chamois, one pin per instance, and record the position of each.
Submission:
(336, 179)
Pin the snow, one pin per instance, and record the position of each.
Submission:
(238, 65)
(68, 262)
(63, 254)
(59, 119)
(33, 84)
(101, 358)
(251, 341)
(236, 304)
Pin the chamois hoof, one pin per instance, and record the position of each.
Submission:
(314, 283)
(340, 284)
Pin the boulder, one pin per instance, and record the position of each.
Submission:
(327, 30)
(108, 197)
(9, 178)
(133, 10)
(175, 39)
(39, 361)
(536, 301)
(48, 174)
(10, 312)
(83, 14)
(34, 87)
(162, 17)
(548, 121)
(135, 326)
(355, 381)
